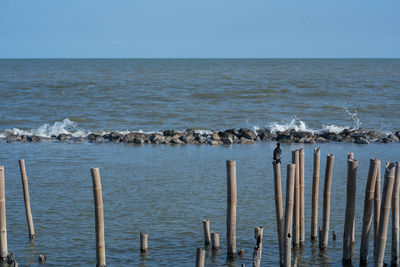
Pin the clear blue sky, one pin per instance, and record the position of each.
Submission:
(199, 29)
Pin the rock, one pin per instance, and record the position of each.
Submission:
(214, 142)
(241, 252)
(13, 138)
(397, 134)
(374, 135)
(348, 139)
(227, 140)
(265, 134)
(64, 137)
(309, 140)
(233, 132)
(281, 136)
(244, 140)
(247, 133)
(331, 136)
(187, 139)
(42, 258)
(11, 259)
(361, 141)
(345, 131)
(215, 136)
(138, 141)
(175, 140)
(156, 138)
(169, 133)
(321, 139)
(393, 138)
(95, 138)
(114, 137)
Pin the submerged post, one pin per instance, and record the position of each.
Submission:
(323, 242)
(3, 224)
(350, 210)
(291, 169)
(368, 205)
(215, 241)
(26, 199)
(231, 208)
(99, 218)
(279, 207)
(296, 208)
(315, 188)
(207, 234)
(384, 216)
(200, 256)
(395, 217)
(301, 180)
(143, 242)
(258, 235)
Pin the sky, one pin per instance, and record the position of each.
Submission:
(199, 29)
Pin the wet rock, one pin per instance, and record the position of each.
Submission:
(135, 138)
(215, 136)
(284, 136)
(233, 132)
(359, 134)
(374, 135)
(247, 133)
(42, 258)
(346, 132)
(114, 137)
(347, 139)
(397, 134)
(95, 138)
(24, 138)
(306, 140)
(331, 136)
(265, 134)
(213, 142)
(393, 138)
(361, 141)
(227, 140)
(246, 141)
(11, 259)
(64, 137)
(13, 138)
(175, 140)
(169, 133)
(321, 139)
(187, 139)
(156, 138)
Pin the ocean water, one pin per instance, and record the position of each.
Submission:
(167, 191)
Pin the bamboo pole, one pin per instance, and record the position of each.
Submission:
(368, 205)
(395, 217)
(301, 180)
(99, 218)
(26, 199)
(377, 205)
(291, 169)
(350, 210)
(231, 208)
(258, 235)
(384, 216)
(296, 208)
(315, 189)
(215, 241)
(207, 234)
(323, 242)
(279, 207)
(3, 221)
(350, 155)
(143, 242)
(200, 256)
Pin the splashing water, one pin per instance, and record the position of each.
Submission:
(353, 115)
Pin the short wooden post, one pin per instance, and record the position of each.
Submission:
(279, 207)
(395, 217)
(200, 257)
(350, 155)
(296, 208)
(215, 241)
(377, 206)
(301, 180)
(350, 210)
(231, 208)
(207, 233)
(323, 242)
(384, 216)
(3, 224)
(143, 242)
(99, 218)
(258, 235)
(368, 205)
(291, 169)
(26, 199)
(315, 189)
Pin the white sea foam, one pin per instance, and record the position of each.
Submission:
(295, 124)
(203, 132)
(333, 128)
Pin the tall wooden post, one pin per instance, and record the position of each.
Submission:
(207, 233)
(279, 207)
(323, 244)
(200, 257)
(301, 180)
(99, 218)
(368, 205)
(315, 189)
(350, 155)
(296, 209)
(384, 216)
(143, 242)
(395, 217)
(258, 235)
(350, 210)
(26, 199)
(231, 208)
(3, 224)
(291, 169)
(377, 206)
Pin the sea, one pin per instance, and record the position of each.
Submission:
(168, 190)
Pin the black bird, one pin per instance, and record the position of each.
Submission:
(277, 153)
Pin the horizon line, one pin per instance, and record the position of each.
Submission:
(1, 58)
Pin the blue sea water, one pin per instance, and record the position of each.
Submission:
(167, 191)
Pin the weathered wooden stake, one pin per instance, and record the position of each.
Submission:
(291, 169)
(315, 189)
(301, 180)
(350, 155)
(368, 205)
(26, 199)
(279, 207)
(143, 242)
(215, 241)
(99, 218)
(395, 217)
(3, 224)
(384, 216)
(207, 233)
(258, 235)
(200, 257)
(231, 208)
(350, 210)
(296, 209)
(377, 206)
(323, 242)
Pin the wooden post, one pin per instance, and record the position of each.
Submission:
(350, 155)
(315, 189)
(323, 242)
(258, 235)
(350, 210)
(377, 206)
(395, 217)
(279, 207)
(296, 209)
(301, 180)
(200, 255)
(215, 241)
(3, 224)
(368, 205)
(207, 234)
(26, 199)
(99, 218)
(291, 169)
(384, 216)
(231, 208)
(143, 242)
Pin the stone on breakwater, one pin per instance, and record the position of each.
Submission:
(361, 141)
(64, 137)
(247, 133)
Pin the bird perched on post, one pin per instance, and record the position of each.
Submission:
(277, 153)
